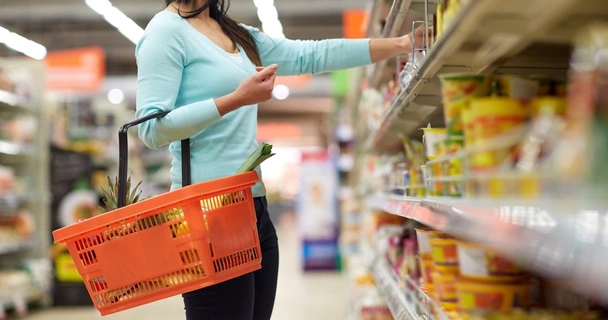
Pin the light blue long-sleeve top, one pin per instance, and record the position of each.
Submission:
(182, 71)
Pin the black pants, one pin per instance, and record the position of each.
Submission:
(249, 297)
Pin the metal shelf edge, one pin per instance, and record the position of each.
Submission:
(569, 246)
(390, 290)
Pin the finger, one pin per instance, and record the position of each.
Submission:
(267, 72)
(271, 79)
(258, 69)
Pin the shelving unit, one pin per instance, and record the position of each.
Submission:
(557, 239)
(555, 236)
(29, 160)
(514, 37)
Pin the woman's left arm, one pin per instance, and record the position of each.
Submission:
(296, 57)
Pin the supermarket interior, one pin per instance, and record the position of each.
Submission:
(463, 179)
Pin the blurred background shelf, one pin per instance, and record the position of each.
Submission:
(10, 103)
(8, 148)
(16, 246)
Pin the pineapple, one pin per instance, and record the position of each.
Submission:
(111, 195)
(111, 203)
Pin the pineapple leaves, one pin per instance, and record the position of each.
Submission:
(110, 200)
(133, 197)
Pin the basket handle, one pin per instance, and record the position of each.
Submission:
(123, 150)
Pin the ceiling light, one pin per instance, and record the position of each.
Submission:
(280, 92)
(117, 18)
(22, 44)
(116, 96)
(269, 17)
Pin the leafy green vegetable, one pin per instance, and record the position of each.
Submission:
(261, 154)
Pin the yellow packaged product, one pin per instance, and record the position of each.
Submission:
(557, 105)
(458, 90)
(481, 263)
(427, 267)
(445, 255)
(445, 286)
(476, 296)
(494, 116)
(468, 124)
(439, 22)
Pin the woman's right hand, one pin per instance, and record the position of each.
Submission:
(255, 89)
(258, 87)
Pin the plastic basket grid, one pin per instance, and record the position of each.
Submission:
(178, 242)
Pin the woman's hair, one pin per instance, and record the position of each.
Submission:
(218, 11)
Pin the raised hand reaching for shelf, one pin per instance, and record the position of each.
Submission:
(382, 49)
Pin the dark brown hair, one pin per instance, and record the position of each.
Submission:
(218, 10)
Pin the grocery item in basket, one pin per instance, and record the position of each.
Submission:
(475, 296)
(445, 253)
(445, 286)
(478, 262)
(111, 195)
(261, 154)
(457, 91)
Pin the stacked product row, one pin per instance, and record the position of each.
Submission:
(466, 280)
(512, 135)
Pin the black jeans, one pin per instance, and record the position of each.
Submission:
(249, 297)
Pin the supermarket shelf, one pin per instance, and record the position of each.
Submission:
(405, 300)
(510, 37)
(14, 149)
(16, 246)
(10, 102)
(563, 239)
(9, 203)
(399, 22)
(19, 303)
(389, 287)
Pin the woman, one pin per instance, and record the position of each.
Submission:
(211, 72)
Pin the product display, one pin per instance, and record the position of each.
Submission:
(25, 272)
(502, 174)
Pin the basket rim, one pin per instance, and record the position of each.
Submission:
(219, 186)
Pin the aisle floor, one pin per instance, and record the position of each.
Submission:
(300, 296)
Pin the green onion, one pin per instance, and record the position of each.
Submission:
(261, 154)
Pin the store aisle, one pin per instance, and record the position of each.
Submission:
(301, 296)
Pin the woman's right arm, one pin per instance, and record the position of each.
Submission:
(161, 57)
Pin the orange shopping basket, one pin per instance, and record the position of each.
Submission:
(178, 242)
